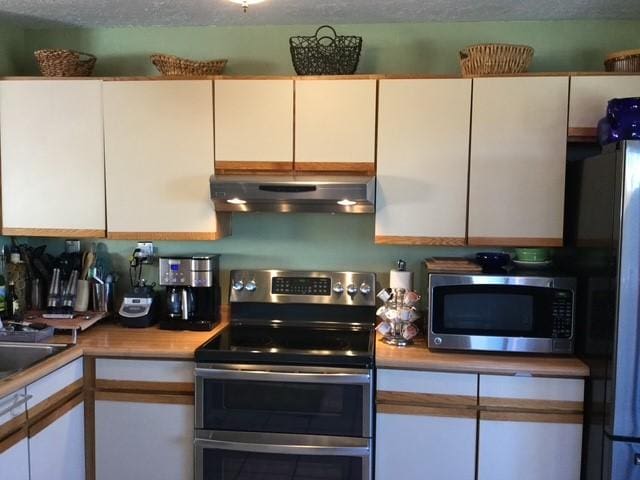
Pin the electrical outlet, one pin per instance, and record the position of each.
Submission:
(146, 253)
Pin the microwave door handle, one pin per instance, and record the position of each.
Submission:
(299, 377)
(282, 449)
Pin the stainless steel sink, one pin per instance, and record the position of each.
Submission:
(15, 357)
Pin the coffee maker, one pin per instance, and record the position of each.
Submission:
(192, 292)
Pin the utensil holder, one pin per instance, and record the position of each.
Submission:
(99, 297)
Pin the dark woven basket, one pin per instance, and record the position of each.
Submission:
(64, 63)
(325, 54)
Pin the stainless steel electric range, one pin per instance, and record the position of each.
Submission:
(285, 392)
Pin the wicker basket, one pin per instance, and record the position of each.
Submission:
(172, 65)
(330, 54)
(64, 63)
(495, 58)
(625, 61)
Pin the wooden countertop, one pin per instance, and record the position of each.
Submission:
(112, 340)
(419, 357)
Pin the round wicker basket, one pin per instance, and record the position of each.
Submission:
(64, 63)
(625, 61)
(172, 65)
(495, 58)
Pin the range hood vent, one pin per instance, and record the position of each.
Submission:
(293, 193)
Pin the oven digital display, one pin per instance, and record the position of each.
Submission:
(301, 286)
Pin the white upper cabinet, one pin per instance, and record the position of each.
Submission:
(159, 157)
(335, 125)
(423, 161)
(518, 157)
(590, 94)
(52, 158)
(254, 124)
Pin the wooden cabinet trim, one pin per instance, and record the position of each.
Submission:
(170, 399)
(10, 427)
(230, 167)
(131, 386)
(365, 168)
(515, 242)
(47, 420)
(53, 232)
(425, 399)
(533, 417)
(13, 439)
(582, 134)
(541, 406)
(400, 240)
(395, 409)
(44, 408)
(197, 236)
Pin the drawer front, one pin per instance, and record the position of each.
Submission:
(438, 383)
(53, 383)
(12, 406)
(144, 370)
(532, 388)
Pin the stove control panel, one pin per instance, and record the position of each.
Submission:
(278, 286)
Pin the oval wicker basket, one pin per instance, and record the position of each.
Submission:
(495, 58)
(625, 61)
(64, 63)
(172, 65)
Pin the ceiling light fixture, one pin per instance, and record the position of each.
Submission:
(245, 3)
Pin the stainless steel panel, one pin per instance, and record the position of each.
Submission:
(195, 270)
(263, 280)
(498, 344)
(282, 444)
(285, 194)
(450, 279)
(622, 460)
(626, 374)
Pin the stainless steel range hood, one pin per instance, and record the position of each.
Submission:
(293, 193)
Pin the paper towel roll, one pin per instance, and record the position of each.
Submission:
(401, 279)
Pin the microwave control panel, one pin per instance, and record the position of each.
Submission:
(563, 314)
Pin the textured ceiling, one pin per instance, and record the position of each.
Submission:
(104, 13)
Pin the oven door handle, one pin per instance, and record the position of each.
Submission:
(270, 376)
(282, 449)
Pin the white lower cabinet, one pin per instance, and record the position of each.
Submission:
(136, 441)
(421, 447)
(57, 451)
(14, 462)
(528, 450)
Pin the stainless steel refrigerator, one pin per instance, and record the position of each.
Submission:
(603, 236)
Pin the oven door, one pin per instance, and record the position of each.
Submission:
(284, 399)
(238, 456)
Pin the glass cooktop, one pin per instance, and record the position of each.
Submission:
(302, 345)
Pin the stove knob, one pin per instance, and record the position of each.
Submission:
(238, 285)
(365, 288)
(338, 288)
(251, 286)
(352, 289)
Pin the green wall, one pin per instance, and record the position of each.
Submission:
(388, 48)
(290, 241)
(11, 50)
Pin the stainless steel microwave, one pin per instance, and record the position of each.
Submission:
(501, 313)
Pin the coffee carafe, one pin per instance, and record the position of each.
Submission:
(181, 303)
(192, 292)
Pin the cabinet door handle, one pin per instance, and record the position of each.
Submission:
(16, 402)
